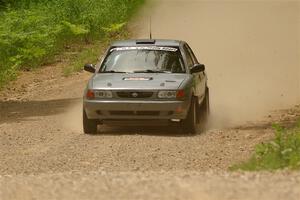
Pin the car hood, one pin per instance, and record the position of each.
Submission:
(138, 81)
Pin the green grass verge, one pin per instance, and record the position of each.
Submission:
(86, 55)
(34, 32)
(282, 152)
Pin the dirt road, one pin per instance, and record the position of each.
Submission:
(251, 50)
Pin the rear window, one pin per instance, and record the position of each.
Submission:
(143, 59)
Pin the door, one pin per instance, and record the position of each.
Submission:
(199, 79)
(201, 76)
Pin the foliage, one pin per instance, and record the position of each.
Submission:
(89, 54)
(113, 29)
(281, 152)
(32, 32)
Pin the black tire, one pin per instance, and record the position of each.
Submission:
(89, 125)
(204, 111)
(190, 123)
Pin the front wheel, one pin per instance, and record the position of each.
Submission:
(89, 125)
(190, 123)
(204, 111)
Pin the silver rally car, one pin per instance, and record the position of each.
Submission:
(147, 80)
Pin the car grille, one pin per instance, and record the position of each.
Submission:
(145, 113)
(135, 95)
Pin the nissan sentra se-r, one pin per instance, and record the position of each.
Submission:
(147, 79)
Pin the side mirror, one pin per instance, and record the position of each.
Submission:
(198, 68)
(90, 68)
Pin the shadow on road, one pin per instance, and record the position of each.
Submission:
(12, 111)
(155, 130)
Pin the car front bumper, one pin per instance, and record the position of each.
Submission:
(112, 109)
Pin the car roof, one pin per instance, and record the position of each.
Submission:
(154, 42)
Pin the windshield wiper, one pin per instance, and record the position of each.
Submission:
(150, 71)
(112, 71)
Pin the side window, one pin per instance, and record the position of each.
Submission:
(192, 54)
(189, 58)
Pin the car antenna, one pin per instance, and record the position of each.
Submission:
(150, 28)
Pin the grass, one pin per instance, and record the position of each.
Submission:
(87, 55)
(280, 153)
(34, 32)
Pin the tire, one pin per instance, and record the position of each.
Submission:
(190, 123)
(89, 125)
(204, 111)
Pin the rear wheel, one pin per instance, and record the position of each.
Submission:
(190, 123)
(89, 125)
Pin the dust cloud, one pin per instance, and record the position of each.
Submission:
(251, 50)
(72, 119)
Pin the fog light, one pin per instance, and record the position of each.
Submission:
(179, 110)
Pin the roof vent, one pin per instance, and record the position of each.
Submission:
(145, 42)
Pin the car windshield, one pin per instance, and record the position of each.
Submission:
(143, 60)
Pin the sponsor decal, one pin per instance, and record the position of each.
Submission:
(152, 48)
(137, 78)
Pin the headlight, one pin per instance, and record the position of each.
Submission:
(167, 94)
(102, 94)
(179, 94)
